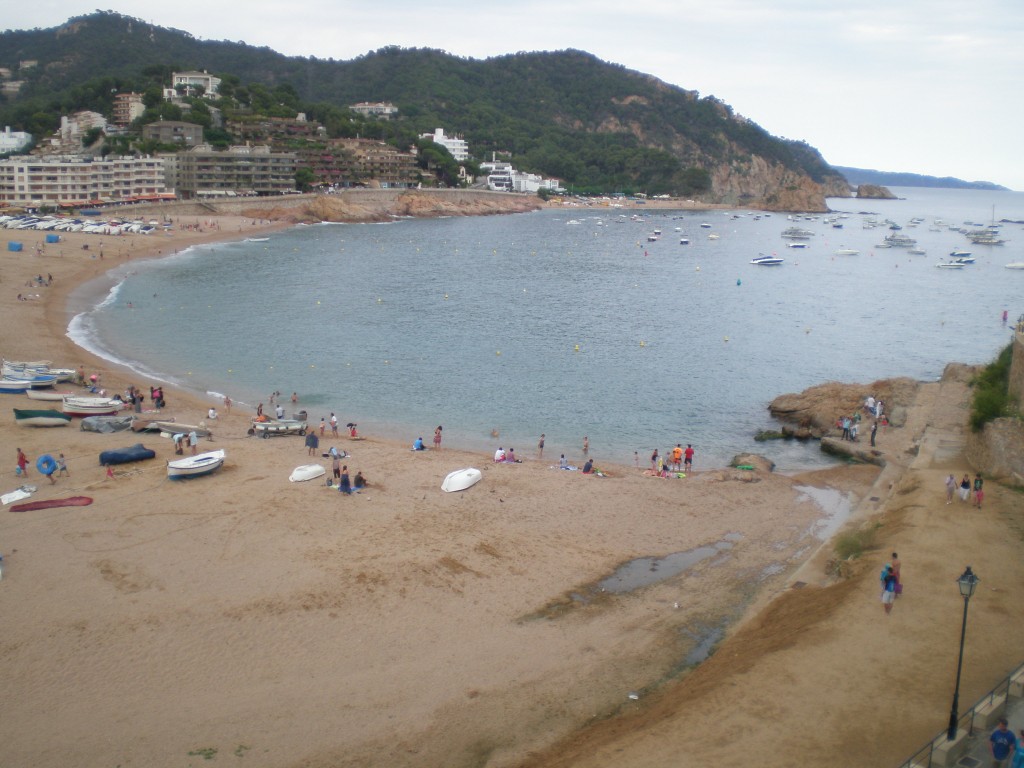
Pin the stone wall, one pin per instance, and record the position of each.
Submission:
(998, 450)
(1017, 369)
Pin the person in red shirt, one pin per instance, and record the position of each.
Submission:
(688, 457)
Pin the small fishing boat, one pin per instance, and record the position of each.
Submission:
(950, 265)
(41, 418)
(257, 239)
(48, 394)
(195, 466)
(307, 472)
(847, 252)
(13, 386)
(713, 236)
(280, 427)
(461, 479)
(767, 261)
(684, 241)
(1015, 265)
(796, 245)
(91, 406)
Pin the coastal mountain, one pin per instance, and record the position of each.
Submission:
(598, 127)
(859, 176)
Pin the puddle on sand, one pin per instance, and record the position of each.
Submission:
(706, 639)
(835, 505)
(644, 571)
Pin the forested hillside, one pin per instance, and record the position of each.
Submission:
(595, 125)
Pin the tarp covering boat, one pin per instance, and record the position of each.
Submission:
(106, 424)
(137, 452)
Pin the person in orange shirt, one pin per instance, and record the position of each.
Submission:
(677, 457)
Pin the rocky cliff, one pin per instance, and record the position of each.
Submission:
(755, 182)
(874, 192)
(814, 411)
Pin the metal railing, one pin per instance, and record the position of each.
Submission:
(923, 757)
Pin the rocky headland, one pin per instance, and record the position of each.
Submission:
(874, 192)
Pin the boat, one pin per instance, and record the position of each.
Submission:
(461, 479)
(956, 253)
(713, 236)
(47, 394)
(917, 251)
(257, 239)
(964, 260)
(282, 427)
(652, 238)
(797, 233)
(797, 244)
(1015, 265)
(684, 241)
(950, 265)
(896, 240)
(195, 466)
(91, 406)
(13, 386)
(137, 452)
(44, 418)
(705, 225)
(847, 252)
(307, 472)
(767, 261)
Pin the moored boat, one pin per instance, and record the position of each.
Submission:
(281, 427)
(847, 252)
(767, 261)
(950, 265)
(196, 466)
(41, 418)
(48, 394)
(13, 386)
(1015, 265)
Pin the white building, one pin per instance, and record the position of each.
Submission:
(188, 81)
(457, 147)
(70, 181)
(12, 141)
(502, 177)
(380, 109)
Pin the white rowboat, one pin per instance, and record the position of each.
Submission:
(307, 472)
(461, 479)
(195, 466)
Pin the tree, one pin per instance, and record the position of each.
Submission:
(304, 178)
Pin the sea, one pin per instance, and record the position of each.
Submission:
(570, 323)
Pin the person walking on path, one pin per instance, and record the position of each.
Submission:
(540, 447)
(896, 574)
(874, 431)
(979, 493)
(888, 588)
(22, 463)
(62, 465)
(1003, 743)
(965, 488)
(950, 488)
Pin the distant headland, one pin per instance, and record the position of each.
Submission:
(859, 176)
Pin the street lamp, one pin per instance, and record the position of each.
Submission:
(967, 583)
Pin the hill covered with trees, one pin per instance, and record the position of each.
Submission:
(597, 126)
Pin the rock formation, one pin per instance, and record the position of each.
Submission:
(874, 192)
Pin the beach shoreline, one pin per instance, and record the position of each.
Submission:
(403, 626)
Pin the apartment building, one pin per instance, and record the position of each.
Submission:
(67, 180)
(237, 171)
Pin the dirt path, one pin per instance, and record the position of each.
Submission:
(821, 676)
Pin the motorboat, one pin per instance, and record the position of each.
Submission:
(956, 253)
(797, 233)
(896, 240)
(847, 252)
(41, 418)
(1015, 265)
(195, 466)
(950, 265)
(257, 239)
(797, 244)
(307, 472)
(964, 259)
(713, 236)
(684, 241)
(767, 261)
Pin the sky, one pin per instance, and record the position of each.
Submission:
(921, 86)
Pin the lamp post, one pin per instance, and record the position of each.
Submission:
(967, 583)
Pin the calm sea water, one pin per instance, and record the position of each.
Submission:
(568, 322)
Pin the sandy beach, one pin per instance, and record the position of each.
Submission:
(243, 619)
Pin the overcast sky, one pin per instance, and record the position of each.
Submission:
(925, 86)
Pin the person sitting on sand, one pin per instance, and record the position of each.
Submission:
(588, 468)
(510, 457)
(212, 414)
(499, 455)
(360, 481)
(563, 462)
(352, 431)
(418, 445)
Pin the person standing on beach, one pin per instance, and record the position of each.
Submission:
(437, 438)
(312, 442)
(950, 488)
(62, 465)
(193, 441)
(336, 466)
(965, 488)
(227, 405)
(896, 574)
(540, 447)
(586, 446)
(22, 463)
(344, 484)
(259, 410)
(334, 425)
(323, 426)
(846, 427)
(979, 492)
(688, 458)
(654, 461)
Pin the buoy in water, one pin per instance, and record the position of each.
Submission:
(576, 348)
(643, 343)
(498, 353)
(738, 281)
(726, 338)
